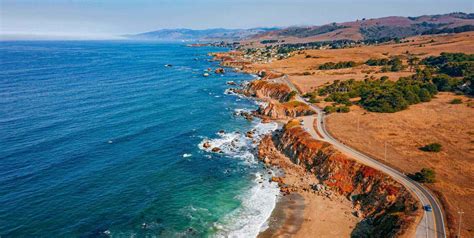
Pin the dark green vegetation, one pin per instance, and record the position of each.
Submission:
(310, 31)
(383, 95)
(338, 65)
(426, 175)
(394, 64)
(374, 31)
(433, 147)
(456, 101)
(449, 72)
(291, 95)
(269, 41)
(330, 109)
(452, 64)
(380, 95)
(458, 29)
(337, 44)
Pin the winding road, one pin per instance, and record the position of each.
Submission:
(432, 223)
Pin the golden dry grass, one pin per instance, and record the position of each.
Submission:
(431, 45)
(405, 131)
(451, 125)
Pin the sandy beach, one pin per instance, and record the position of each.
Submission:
(303, 211)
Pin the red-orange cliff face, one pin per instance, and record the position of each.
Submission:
(388, 208)
(275, 110)
(264, 89)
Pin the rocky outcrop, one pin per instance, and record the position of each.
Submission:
(219, 71)
(275, 110)
(264, 89)
(388, 208)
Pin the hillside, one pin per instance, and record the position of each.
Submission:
(216, 34)
(372, 29)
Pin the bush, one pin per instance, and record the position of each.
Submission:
(424, 95)
(384, 78)
(377, 62)
(426, 175)
(396, 65)
(381, 95)
(342, 98)
(343, 109)
(329, 109)
(452, 64)
(291, 95)
(339, 65)
(445, 83)
(456, 101)
(433, 147)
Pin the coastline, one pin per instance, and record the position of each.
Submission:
(329, 204)
(301, 212)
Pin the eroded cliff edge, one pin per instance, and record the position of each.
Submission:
(388, 208)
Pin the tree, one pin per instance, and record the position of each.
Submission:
(329, 109)
(433, 147)
(396, 64)
(424, 95)
(445, 83)
(291, 95)
(413, 62)
(426, 175)
(456, 101)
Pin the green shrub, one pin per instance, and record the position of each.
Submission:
(445, 83)
(426, 175)
(424, 95)
(291, 95)
(338, 65)
(329, 109)
(452, 64)
(433, 147)
(343, 109)
(377, 62)
(384, 78)
(385, 69)
(456, 101)
(396, 65)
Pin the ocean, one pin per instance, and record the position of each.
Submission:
(100, 139)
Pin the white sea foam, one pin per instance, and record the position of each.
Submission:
(187, 155)
(237, 144)
(257, 205)
(260, 200)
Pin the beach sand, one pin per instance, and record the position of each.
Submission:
(305, 212)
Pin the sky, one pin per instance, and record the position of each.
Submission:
(102, 18)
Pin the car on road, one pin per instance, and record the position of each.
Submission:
(428, 208)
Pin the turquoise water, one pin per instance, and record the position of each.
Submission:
(100, 139)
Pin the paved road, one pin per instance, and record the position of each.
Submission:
(432, 224)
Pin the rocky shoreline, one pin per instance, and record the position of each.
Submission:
(371, 201)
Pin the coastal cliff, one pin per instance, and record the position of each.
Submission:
(388, 209)
(384, 207)
(275, 110)
(263, 89)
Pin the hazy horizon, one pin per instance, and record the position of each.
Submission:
(87, 19)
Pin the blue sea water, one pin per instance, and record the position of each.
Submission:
(98, 138)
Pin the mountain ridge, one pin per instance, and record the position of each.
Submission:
(358, 30)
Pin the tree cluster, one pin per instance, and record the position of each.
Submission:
(394, 64)
(338, 65)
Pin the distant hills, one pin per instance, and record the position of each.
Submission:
(362, 29)
(373, 29)
(216, 34)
